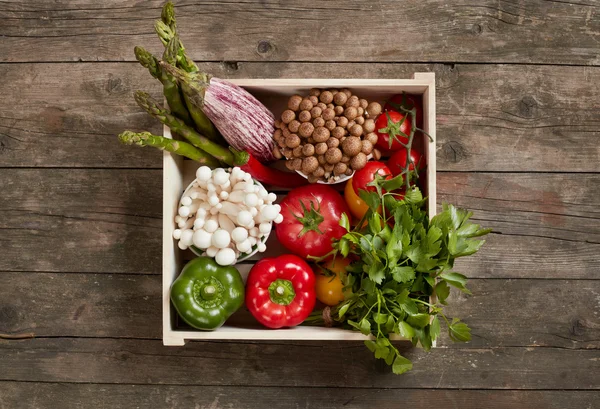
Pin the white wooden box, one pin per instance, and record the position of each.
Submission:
(178, 173)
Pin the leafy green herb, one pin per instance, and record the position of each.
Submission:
(404, 261)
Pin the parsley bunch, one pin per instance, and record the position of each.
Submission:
(402, 278)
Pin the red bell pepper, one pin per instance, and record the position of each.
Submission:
(280, 291)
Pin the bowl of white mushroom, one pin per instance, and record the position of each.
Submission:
(225, 214)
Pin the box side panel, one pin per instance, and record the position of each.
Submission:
(171, 264)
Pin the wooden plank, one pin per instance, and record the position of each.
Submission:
(100, 220)
(536, 313)
(564, 32)
(66, 396)
(490, 117)
(333, 364)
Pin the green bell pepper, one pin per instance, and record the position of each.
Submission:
(205, 294)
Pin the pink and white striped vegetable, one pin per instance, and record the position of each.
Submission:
(245, 123)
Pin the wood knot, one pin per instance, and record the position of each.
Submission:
(231, 66)
(476, 29)
(264, 47)
(453, 151)
(527, 106)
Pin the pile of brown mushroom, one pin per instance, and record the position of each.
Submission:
(327, 134)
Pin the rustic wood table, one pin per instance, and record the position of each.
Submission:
(518, 88)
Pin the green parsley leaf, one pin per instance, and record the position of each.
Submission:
(393, 250)
(403, 274)
(375, 223)
(405, 330)
(344, 246)
(418, 320)
(459, 331)
(377, 272)
(372, 199)
(345, 222)
(456, 280)
(442, 291)
(401, 365)
(371, 345)
(380, 318)
(434, 329)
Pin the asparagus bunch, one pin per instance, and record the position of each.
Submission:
(223, 154)
(170, 145)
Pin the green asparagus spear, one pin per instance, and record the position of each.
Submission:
(178, 147)
(170, 88)
(166, 28)
(193, 85)
(178, 126)
(201, 121)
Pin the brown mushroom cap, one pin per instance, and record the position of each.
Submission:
(314, 91)
(308, 149)
(338, 132)
(326, 97)
(333, 155)
(356, 130)
(321, 148)
(367, 147)
(297, 151)
(340, 98)
(294, 125)
(304, 116)
(363, 103)
(321, 134)
(328, 114)
(330, 124)
(351, 145)
(306, 129)
(342, 121)
(322, 106)
(287, 116)
(294, 102)
(296, 163)
(339, 110)
(359, 120)
(292, 141)
(350, 113)
(306, 104)
(372, 137)
(332, 143)
(319, 172)
(359, 161)
(309, 165)
(373, 109)
(340, 168)
(317, 122)
(353, 102)
(376, 154)
(314, 100)
(316, 112)
(369, 125)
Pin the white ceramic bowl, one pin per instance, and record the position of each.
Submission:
(242, 256)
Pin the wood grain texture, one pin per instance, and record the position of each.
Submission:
(551, 32)
(109, 221)
(490, 117)
(70, 396)
(532, 313)
(259, 364)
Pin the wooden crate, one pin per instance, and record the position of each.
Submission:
(178, 173)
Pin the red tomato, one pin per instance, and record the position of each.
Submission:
(366, 175)
(391, 126)
(397, 161)
(407, 102)
(311, 216)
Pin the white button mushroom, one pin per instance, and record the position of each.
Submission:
(211, 225)
(261, 247)
(225, 257)
(181, 245)
(264, 228)
(244, 218)
(278, 219)
(269, 212)
(202, 239)
(203, 173)
(239, 234)
(177, 234)
(186, 237)
(213, 199)
(184, 211)
(244, 246)
(251, 200)
(220, 177)
(186, 201)
(198, 224)
(253, 232)
(221, 238)
(271, 198)
(212, 251)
